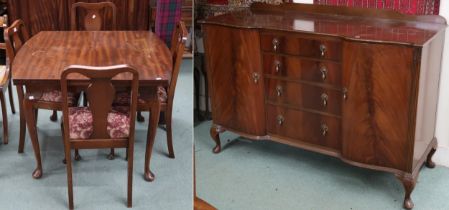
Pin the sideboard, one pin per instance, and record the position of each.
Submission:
(357, 84)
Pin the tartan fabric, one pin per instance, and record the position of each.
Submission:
(414, 7)
(168, 13)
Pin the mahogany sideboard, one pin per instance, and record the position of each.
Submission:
(357, 84)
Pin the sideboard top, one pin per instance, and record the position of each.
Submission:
(361, 24)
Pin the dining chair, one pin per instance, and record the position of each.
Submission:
(38, 96)
(93, 16)
(4, 24)
(5, 84)
(165, 95)
(99, 125)
(15, 37)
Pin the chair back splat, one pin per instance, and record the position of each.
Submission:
(15, 37)
(100, 93)
(93, 16)
(179, 38)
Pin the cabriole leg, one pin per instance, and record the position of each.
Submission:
(215, 134)
(409, 184)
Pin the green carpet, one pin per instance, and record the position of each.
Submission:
(100, 183)
(267, 175)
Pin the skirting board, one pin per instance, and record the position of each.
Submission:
(441, 157)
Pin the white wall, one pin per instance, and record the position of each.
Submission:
(442, 131)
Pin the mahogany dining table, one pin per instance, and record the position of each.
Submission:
(41, 60)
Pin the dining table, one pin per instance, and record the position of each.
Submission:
(41, 60)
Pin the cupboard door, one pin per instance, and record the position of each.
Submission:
(235, 78)
(378, 111)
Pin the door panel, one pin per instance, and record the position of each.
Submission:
(235, 78)
(376, 113)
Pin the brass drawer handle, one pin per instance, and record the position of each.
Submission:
(324, 129)
(279, 90)
(322, 49)
(323, 71)
(275, 43)
(280, 119)
(324, 98)
(345, 93)
(256, 77)
(277, 66)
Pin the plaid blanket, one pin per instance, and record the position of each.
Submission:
(415, 7)
(168, 13)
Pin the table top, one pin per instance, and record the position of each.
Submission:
(359, 24)
(45, 55)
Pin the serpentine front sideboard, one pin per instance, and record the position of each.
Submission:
(357, 84)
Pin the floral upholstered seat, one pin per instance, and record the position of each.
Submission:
(81, 122)
(123, 97)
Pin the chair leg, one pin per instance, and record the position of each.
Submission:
(151, 135)
(77, 155)
(69, 176)
(130, 174)
(126, 158)
(111, 155)
(54, 116)
(84, 99)
(30, 120)
(140, 117)
(5, 118)
(11, 98)
(36, 114)
(168, 117)
(22, 128)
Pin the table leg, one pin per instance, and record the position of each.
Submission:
(20, 94)
(30, 116)
(151, 135)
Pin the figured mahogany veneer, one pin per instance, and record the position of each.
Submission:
(357, 84)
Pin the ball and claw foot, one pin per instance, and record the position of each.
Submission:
(77, 157)
(215, 134)
(140, 118)
(54, 116)
(37, 173)
(111, 156)
(429, 162)
(149, 176)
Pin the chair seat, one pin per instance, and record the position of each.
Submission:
(123, 98)
(81, 122)
(52, 96)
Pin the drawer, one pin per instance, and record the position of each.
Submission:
(313, 47)
(304, 96)
(302, 69)
(304, 126)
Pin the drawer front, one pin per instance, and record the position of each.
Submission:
(302, 69)
(316, 47)
(308, 127)
(304, 96)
